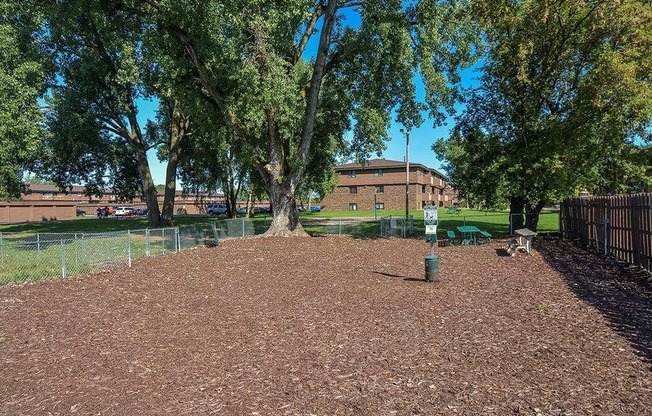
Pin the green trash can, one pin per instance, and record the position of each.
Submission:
(432, 267)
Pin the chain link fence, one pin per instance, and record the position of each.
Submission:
(394, 226)
(27, 257)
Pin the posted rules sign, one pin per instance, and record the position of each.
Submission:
(430, 219)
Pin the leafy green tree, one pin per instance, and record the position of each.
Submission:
(23, 73)
(211, 163)
(172, 126)
(95, 132)
(251, 64)
(565, 95)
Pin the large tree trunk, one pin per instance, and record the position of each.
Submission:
(285, 217)
(231, 185)
(532, 215)
(135, 137)
(178, 130)
(516, 208)
(149, 189)
(167, 215)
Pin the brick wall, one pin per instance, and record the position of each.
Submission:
(13, 212)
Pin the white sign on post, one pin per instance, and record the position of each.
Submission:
(430, 219)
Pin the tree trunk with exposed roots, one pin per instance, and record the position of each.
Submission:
(285, 216)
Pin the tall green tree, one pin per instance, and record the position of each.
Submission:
(96, 134)
(23, 74)
(94, 110)
(565, 96)
(276, 73)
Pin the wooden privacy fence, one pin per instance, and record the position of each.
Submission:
(619, 225)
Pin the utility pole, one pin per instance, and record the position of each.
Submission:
(407, 172)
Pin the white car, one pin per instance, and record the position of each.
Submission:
(216, 209)
(123, 211)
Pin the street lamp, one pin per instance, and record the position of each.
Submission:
(407, 172)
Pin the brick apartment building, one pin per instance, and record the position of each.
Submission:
(48, 202)
(382, 182)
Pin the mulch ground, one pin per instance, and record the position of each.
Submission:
(333, 326)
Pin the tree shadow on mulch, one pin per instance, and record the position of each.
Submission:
(619, 291)
(406, 278)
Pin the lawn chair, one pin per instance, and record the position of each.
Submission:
(453, 240)
(486, 237)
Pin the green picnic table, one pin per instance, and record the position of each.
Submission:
(468, 234)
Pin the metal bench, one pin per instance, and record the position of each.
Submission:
(486, 236)
(452, 238)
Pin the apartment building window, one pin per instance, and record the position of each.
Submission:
(353, 190)
(433, 190)
(441, 191)
(378, 172)
(423, 189)
(351, 174)
(380, 189)
(380, 205)
(353, 206)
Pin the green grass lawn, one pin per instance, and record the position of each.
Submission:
(496, 222)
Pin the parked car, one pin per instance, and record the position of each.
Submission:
(140, 211)
(315, 208)
(216, 209)
(81, 212)
(262, 210)
(123, 211)
(241, 210)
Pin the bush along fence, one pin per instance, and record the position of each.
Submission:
(620, 226)
(29, 257)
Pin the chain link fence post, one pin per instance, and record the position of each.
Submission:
(129, 246)
(177, 240)
(63, 260)
(76, 253)
(83, 247)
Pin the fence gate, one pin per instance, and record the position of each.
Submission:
(397, 226)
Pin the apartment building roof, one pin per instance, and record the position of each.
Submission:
(384, 164)
(78, 189)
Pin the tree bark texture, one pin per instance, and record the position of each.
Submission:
(178, 130)
(285, 217)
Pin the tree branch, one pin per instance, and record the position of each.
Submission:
(315, 85)
(204, 79)
(307, 34)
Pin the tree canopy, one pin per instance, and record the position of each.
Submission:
(289, 78)
(23, 72)
(565, 98)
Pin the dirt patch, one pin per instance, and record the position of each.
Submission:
(332, 326)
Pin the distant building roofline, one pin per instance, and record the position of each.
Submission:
(384, 163)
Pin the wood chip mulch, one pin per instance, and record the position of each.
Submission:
(333, 326)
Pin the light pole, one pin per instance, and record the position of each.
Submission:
(407, 172)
